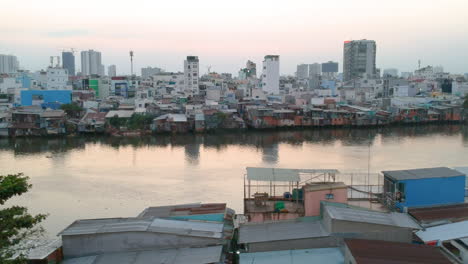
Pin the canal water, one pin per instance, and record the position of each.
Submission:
(91, 177)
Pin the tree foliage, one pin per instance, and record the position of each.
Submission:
(465, 103)
(16, 224)
(72, 110)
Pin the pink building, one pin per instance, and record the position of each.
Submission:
(329, 191)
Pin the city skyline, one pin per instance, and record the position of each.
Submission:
(225, 36)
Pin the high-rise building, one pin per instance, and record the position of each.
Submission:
(112, 71)
(191, 71)
(149, 71)
(8, 64)
(68, 61)
(271, 74)
(302, 71)
(315, 70)
(330, 67)
(91, 62)
(252, 68)
(359, 59)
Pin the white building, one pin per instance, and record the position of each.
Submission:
(8, 64)
(302, 71)
(112, 71)
(169, 80)
(91, 63)
(460, 88)
(315, 70)
(191, 74)
(271, 74)
(9, 83)
(149, 71)
(57, 79)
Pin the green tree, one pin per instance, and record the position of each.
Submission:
(16, 224)
(465, 103)
(72, 110)
(138, 121)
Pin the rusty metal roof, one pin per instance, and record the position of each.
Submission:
(382, 252)
(454, 213)
(184, 209)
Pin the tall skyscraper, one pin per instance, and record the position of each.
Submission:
(302, 71)
(271, 74)
(68, 61)
(191, 71)
(112, 71)
(8, 64)
(359, 59)
(91, 62)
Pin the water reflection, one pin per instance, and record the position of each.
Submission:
(265, 141)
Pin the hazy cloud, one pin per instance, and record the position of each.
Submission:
(68, 33)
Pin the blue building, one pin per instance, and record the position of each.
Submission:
(423, 187)
(46, 98)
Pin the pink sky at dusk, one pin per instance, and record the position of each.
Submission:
(225, 34)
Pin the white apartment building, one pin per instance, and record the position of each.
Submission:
(8, 64)
(91, 63)
(112, 71)
(302, 71)
(174, 81)
(149, 71)
(57, 79)
(271, 74)
(191, 75)
(9, 83)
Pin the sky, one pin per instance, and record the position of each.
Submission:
(225, 34)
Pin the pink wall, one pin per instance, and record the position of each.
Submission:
(262, 217)
(312, 199)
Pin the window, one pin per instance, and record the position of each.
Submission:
(329, 196)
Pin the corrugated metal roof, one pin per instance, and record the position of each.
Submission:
(163, 256)
(41, 252)
(173, 117)
(53, 113)
(371, 217)
(117, 225)
(447, 212)
(439, 172)
(279, 174)
(444, 232)
(374, 251)
(282, 230)
(183, 209)
(304, 256)
(120, 113)
(199, 229)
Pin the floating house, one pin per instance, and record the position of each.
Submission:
(423, 187)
